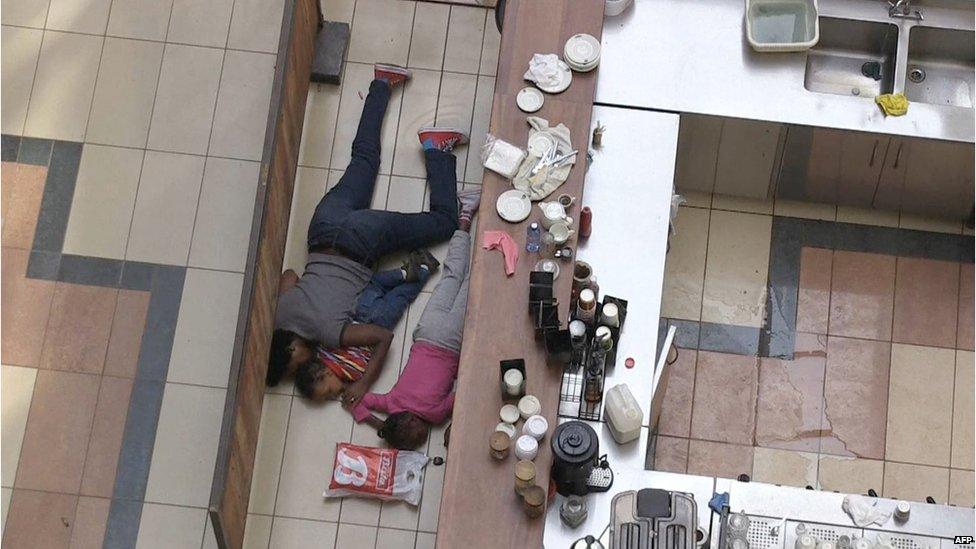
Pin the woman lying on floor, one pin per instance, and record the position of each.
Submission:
(424, 393)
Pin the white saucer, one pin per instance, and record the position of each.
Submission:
(582, 50)
(513, 206)
(529, 99)
(566, 78)
(540, 142)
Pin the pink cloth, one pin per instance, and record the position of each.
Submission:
(425, 387)
(494, 240)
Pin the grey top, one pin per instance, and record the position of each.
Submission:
(323, 301)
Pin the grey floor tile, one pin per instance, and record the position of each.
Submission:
(34, 151)
(59, 189)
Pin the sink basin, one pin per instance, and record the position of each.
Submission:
(852, 58)
(940, 66)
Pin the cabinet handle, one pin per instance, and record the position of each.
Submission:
(874, 151)
(898, 155)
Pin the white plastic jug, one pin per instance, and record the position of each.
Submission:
(624, 414)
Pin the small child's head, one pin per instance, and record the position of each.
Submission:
(404, 431)
(316, 382)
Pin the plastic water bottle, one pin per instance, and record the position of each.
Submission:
(533, 240)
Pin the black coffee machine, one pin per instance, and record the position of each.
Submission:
(575, 452)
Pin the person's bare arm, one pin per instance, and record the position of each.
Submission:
(287, 281)
(378, 339)
(374, 422)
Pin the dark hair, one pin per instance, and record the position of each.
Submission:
(306, 377)
(278, 356)
(397, 437)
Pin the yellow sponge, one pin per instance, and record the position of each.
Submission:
(893, 104)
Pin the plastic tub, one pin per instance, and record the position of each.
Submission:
(782, 25)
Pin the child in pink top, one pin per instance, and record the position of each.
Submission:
(424, 393)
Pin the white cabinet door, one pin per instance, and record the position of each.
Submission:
(746, 157)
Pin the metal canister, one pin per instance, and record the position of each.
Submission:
(499, 443)
(573, 511)
(524, 475)
(534, 501)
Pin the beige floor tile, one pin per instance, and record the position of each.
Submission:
(245, 93)
(465, 31)
(204, 339)
(355, 87)
(784, 467)
(430, 505)
(490, 46)
(915, 482)
(741, 204)
(736, 268)
(725, 398)
(962, 412)
(321, 112)
(338, 10)
(185, 99)
(354, 536)
(474, 171)
(200, 22)
(671, 454)
(719, 459)
(210, 538)
(684, 270)
(169, 526)
(930, 224)
(5, 494)
(162, 224)
(24, 13)
(805, 210)
(395, 539)
(866, 216)
(222, 229)
(379, 32)
(310, 185)
(426, 541)
(406, 194)
(184, 453)
(862, 295)
(257, 532)
(856, 426)
(144, 19)
(813, 293)
(288, 532)
(399, 514)
(16, 391)
(267, 458)
(850, 475)
(429, 34)
(313, 431)
(124, 92)
(18, 61)
(63, 86)
(920, 405)
(85, 16)
(419, 109)
(256, 25)
(105, 196)
(455, 108)
(961, 488)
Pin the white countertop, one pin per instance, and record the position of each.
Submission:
(692, 56)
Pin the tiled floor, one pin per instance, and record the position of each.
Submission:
(878, 392)
(452, 52)
(132, 132)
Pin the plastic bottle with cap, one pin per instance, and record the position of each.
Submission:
(526, 447)
(903, 510)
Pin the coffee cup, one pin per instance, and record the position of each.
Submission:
(565, 200)
(560, 232)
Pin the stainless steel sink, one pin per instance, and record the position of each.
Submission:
(940, 66)
(853, 58)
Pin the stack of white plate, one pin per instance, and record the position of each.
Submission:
(582, 52)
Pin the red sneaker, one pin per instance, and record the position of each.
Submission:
(392, 74)
(443, 139)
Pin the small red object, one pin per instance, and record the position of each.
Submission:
(629, 362)
(586, 222)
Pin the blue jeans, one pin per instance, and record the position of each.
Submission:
(343, 220)
(386, 298)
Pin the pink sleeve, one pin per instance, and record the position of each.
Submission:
(367, 405)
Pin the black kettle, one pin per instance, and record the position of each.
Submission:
(575, 451)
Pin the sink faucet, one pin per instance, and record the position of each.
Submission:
(902, 9)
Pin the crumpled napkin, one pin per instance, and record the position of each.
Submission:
(893, 104)
(548, 179)
(544, 69)
(864, 511)
(500, 240)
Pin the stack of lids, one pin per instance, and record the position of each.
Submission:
(582, 52)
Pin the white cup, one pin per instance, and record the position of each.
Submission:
(513, 382)
(560, 232)
(536, 427)
(526, 447)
